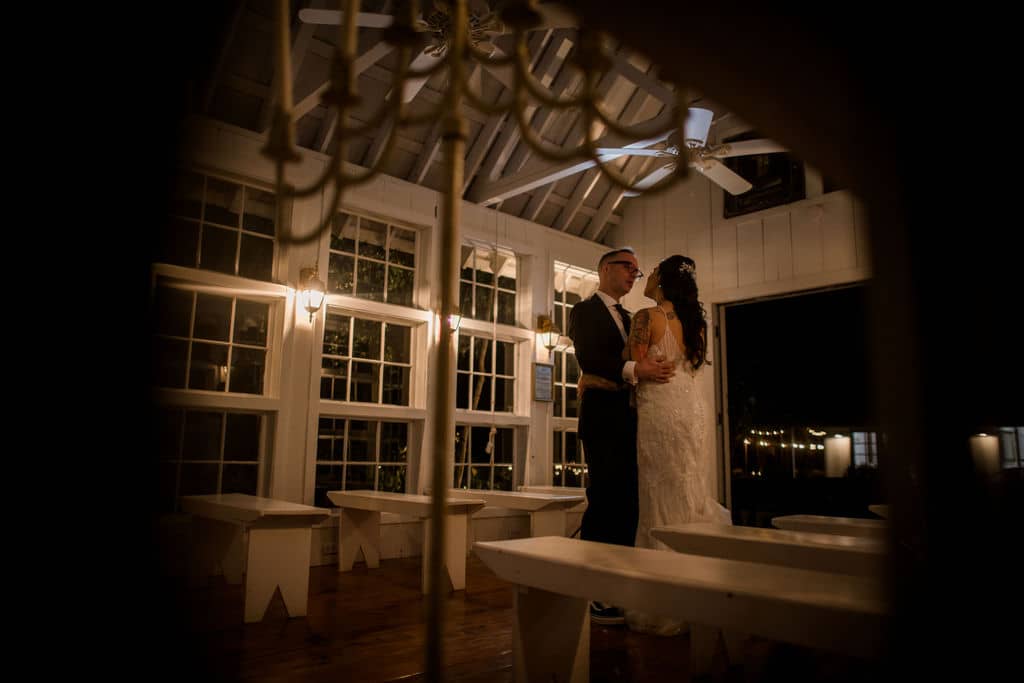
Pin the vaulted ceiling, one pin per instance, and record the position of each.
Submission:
(240, 87)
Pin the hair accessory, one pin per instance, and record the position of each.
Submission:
(686, 268)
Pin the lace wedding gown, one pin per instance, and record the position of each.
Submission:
(672, 461)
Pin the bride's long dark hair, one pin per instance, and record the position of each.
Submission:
(677, 279)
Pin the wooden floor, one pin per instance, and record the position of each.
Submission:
(368, 625)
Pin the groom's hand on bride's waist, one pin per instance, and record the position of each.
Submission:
(652, 370)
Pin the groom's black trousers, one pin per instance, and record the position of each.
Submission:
(607, 427)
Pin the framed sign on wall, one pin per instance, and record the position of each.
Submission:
(543, 384)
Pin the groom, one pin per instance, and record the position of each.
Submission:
(599, 328)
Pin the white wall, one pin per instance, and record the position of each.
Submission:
(816, 242)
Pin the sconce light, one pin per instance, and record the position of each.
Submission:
(547, 332)
(454, 320)
(312, 291)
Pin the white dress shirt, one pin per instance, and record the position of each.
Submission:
(629, 369)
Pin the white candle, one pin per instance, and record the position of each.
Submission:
(985, 451)
(837, 456)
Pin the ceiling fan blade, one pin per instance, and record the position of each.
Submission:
(721, 175)
(333, 17)
(412, 87)
(628, 151)
(651, 179)
(745, 148)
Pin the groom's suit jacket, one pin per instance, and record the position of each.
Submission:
(597, 339)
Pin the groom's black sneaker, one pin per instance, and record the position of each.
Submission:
(606, 615)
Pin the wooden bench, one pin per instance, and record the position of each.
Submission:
(359, 528)
(571, 490)
(854, 555)
(824, 524)
(278, 534)
(881, 510)
(547, 510)
(556, 577)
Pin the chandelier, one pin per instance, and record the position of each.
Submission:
(459, 39)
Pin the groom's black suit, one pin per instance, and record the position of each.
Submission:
(607, 426)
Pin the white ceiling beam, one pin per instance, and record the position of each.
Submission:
(300, 48)
(218, 69)
(430, 148)
(648, 82)
(362, 63)
(482, 143)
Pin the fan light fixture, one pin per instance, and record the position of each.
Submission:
(312, 291)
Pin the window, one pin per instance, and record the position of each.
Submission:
(360, 454)
(487, 285)
(572, 285)
(570, 466)
(484, 458)
(486, 373)
(220, 225)
(208, 342)
(372, 260)
(865, 449)
(365, 361)
(204, 451)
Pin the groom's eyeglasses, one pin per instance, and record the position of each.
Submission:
(633, 270)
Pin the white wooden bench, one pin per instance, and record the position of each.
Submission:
(855, 555)
(571, 490)
(547, 510)
(279, 535)
(556, 578)
(359, 528)
(824, 524)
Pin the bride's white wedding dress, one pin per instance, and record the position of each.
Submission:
(673, 461)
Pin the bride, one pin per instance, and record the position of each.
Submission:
(672, 457)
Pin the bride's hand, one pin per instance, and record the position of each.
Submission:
(655, 369)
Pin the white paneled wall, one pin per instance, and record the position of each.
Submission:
(813, 243)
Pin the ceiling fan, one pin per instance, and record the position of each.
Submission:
(704, 159)
(435, 22)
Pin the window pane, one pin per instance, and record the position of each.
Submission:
(213, 317)
(202, 435)
(366, 339)
(391, 478)
(484, 273)
(396, 343)
(365, 382)
(396, 385)
(571, 449)
(507, 282)
(359, 477)
(247, 370)
(462, 391)
(328, 478)
(218, 250)
(188, 195)
(503, 446)
(559, 355)
(372, 235)
(340, 274)
(179, 242)
(334, 379)
(482, 361)
(403, 247)
(223, 202)
(466, 299)
(336, 334)
(394, 440)
(343, 233)
(242, 437)
(556, 475)
(481, 399)
(479, 437)
(503, 478)
(506, 308)
(240, 479)
(256, 259)
(556, 449)
(362, 440)
(571, 402)
(463, 354)
(559, 403)
(251, 321)
(505, 359)
(400, 286)
(573, 476)
(260, 209)
(480, 478)
(209, 367)
(572, 368)
(503, 394)
(371, 280)
(198, 479)
(484, 307)
(169, 359)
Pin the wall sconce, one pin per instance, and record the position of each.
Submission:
(547, 333)
(454, 320)
(312, 291)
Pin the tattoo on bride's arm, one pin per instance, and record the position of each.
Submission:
(640, 335)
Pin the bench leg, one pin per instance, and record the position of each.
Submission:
(703, 645)
(358, 529)
(547, 523)
(219, 547)
(550, 637)
(277, 558)
(456, 530)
